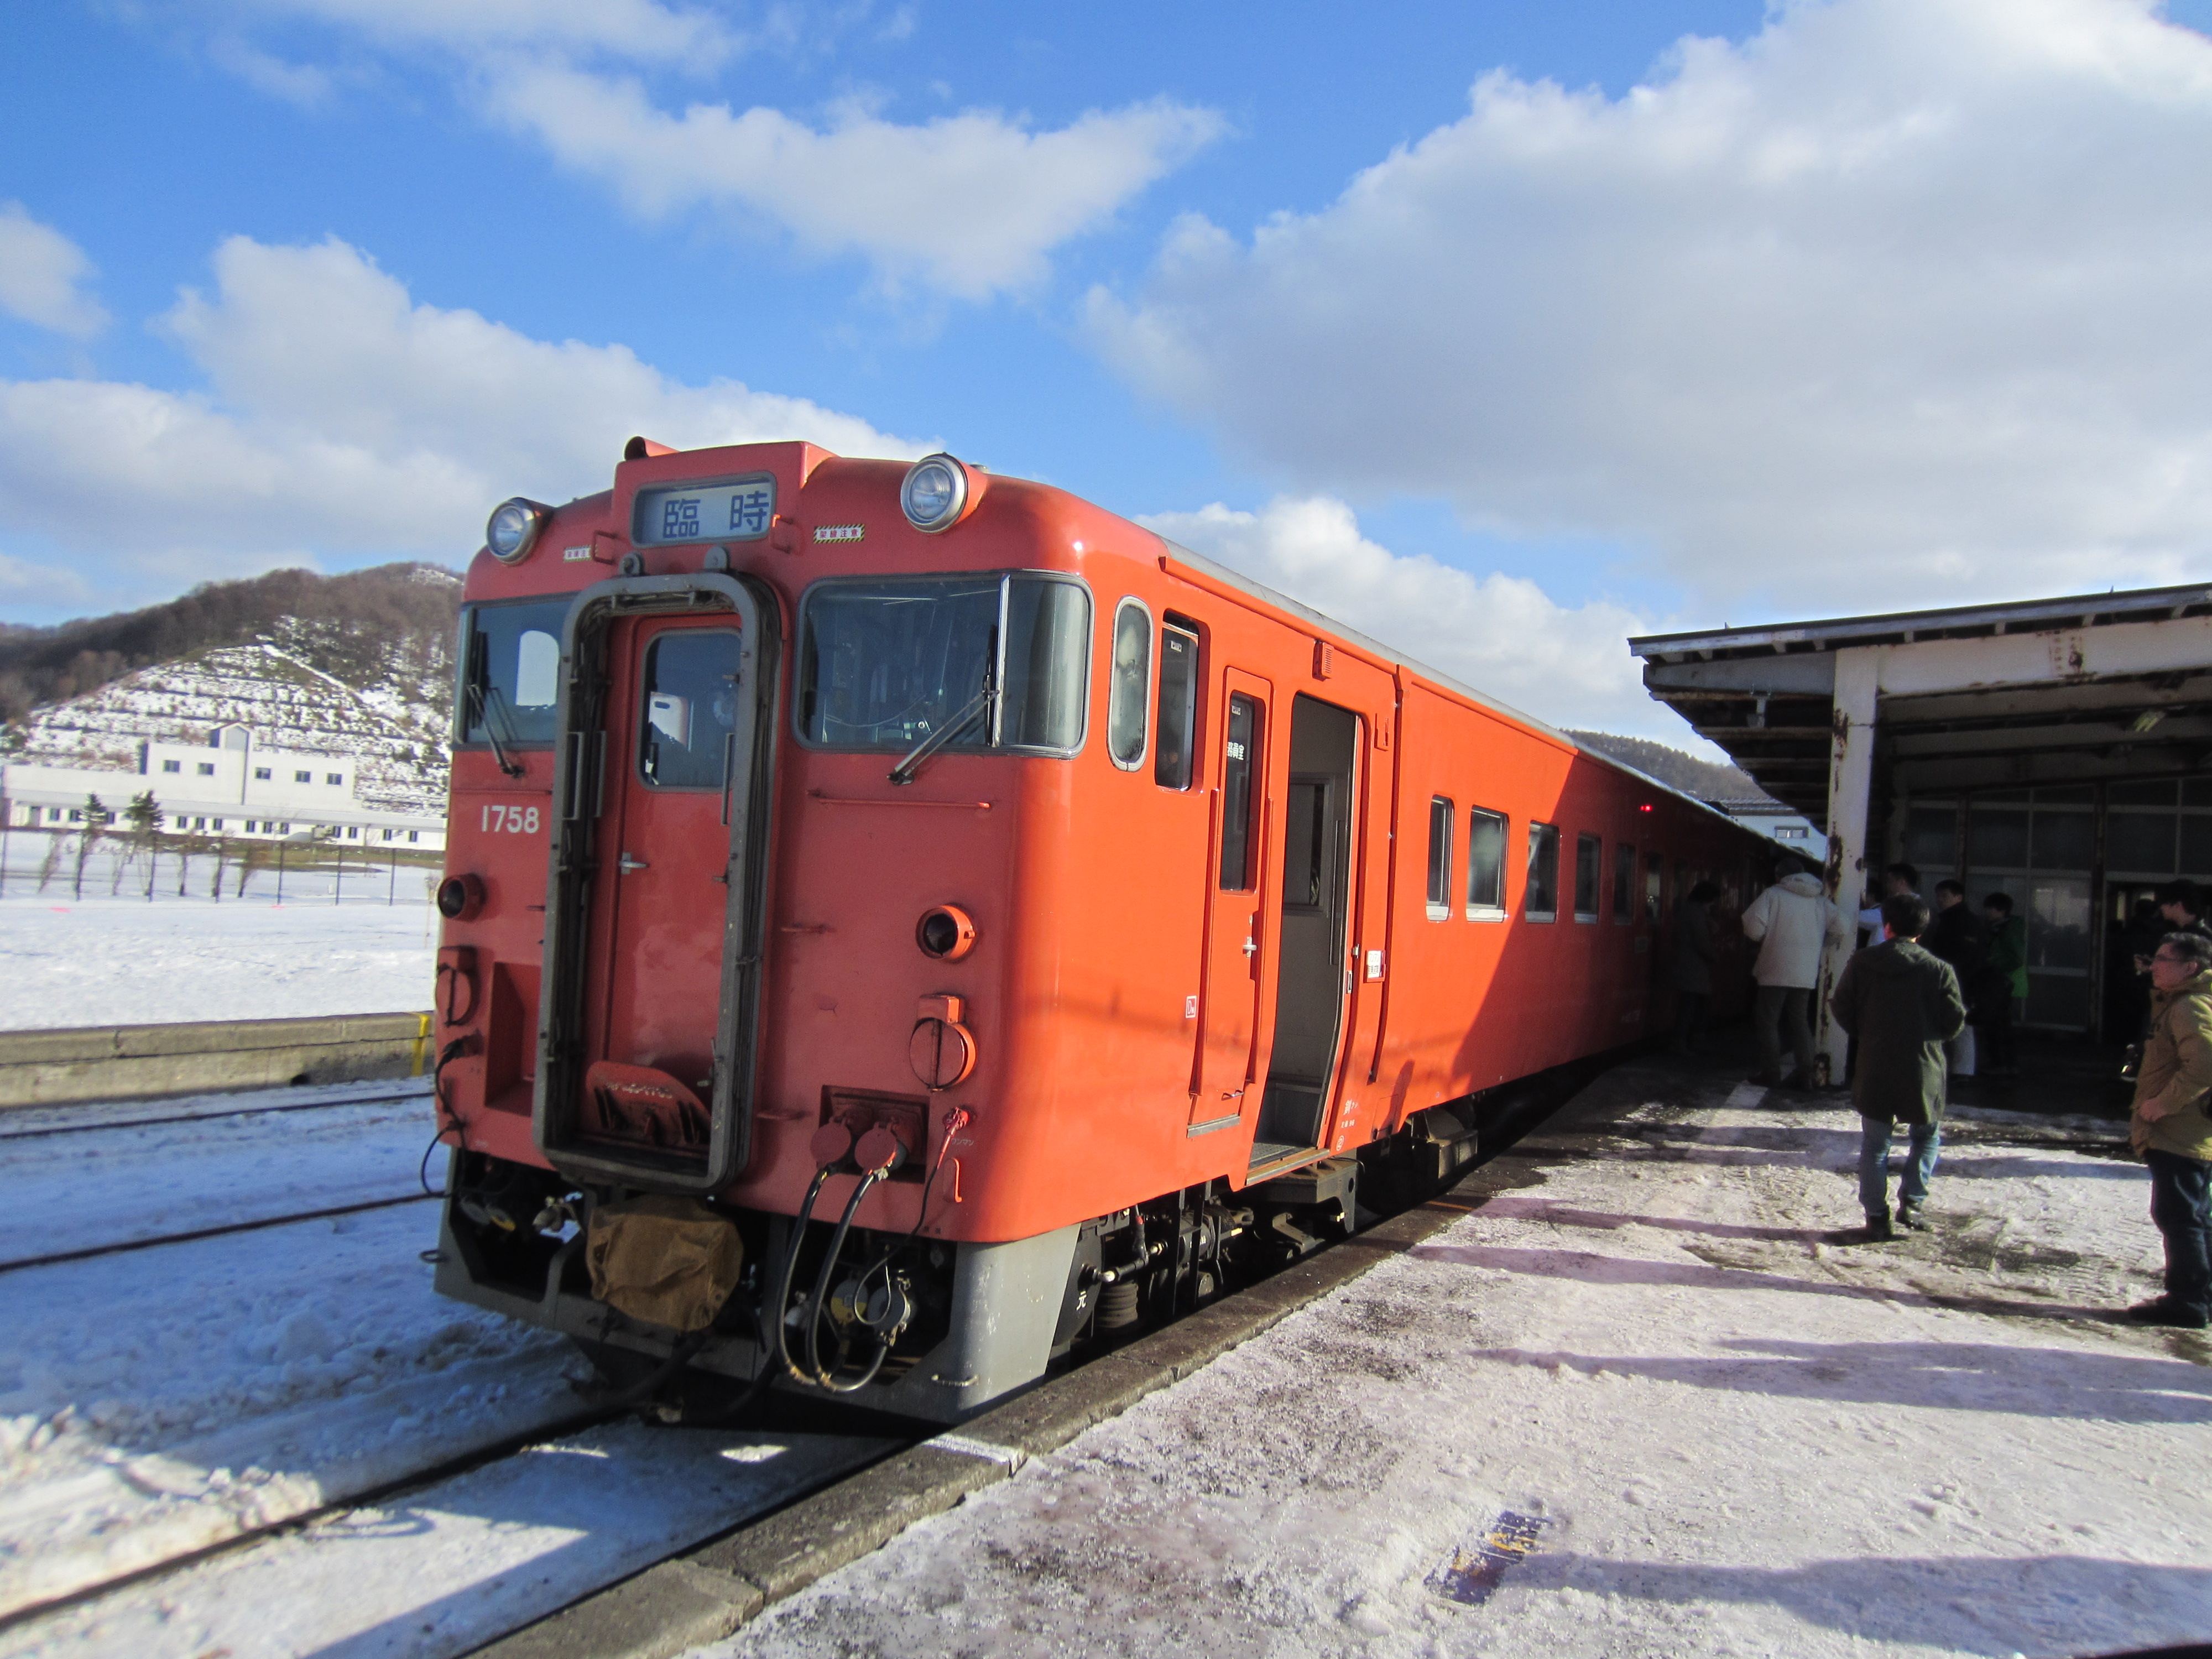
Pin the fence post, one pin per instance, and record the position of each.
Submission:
(280, 874)
(391, 896)
(338, 876)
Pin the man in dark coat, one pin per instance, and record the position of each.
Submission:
(1900, 1005)
(1692, 967)
(1958, 936)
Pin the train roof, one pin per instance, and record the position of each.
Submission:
(1244, 584)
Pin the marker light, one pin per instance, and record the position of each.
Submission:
(935, 493)
(513, 527)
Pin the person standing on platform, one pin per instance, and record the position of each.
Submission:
(2171, 1130)
(1900, 1005)
(1958, 936)
(1895, 878)
(1794, 924)
(1692, 966)
(2004, 980)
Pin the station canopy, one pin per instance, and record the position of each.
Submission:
(2065, 691)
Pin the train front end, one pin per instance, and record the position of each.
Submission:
(724, 997)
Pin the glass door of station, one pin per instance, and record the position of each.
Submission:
(2076, 867)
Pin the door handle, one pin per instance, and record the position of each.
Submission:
(627, 864)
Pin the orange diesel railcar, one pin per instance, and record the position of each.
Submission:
(902, 921)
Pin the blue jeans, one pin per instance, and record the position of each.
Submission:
(2180, 1202)
(1874, 1163)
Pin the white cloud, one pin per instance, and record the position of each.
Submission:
(970, 203)
(643, 30)
(344, 420)
(44, 275)
(1900, 302)
(1501, 635)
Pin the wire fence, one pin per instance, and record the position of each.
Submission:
(54, 866)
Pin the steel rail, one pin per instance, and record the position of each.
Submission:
(92, 1252)
(210, 1117)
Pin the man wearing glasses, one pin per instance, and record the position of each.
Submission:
(2170, 1130)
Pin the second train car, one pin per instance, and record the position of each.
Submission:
(903, 922)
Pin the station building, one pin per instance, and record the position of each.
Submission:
(229, 786)
(2058, 751)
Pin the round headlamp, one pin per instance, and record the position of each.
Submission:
(935, 493)
(513, 527)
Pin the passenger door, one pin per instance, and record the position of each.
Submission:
(1224, 1075)
(652, 954)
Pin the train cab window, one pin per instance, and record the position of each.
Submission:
(993, 661)
(1540, 901)
(1440, 858)
(688, 708)
(1127, 682)
(1655, 876)
(510, 673)
(1624, 883)
(1485, 864)
(1177, 739)
(1239, 753)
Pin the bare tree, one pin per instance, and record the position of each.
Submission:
(51, 866)
(96, 820)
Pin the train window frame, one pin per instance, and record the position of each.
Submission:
(1655, 881)
(558, 606)
(1624, 883)
(643, 721)
(1594, 845)
(1478, 817)
(1241, 771)
(1163, 754)
(1128, 603)
(1443, 828)
(1543, 873)
(802, 644)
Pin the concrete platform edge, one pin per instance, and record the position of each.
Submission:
(711, 1591)
(76, 1064)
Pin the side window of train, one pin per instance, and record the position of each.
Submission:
(1624, 883)
(1440, 858)
(1589, 855)
(1655, 876)
(1130, 675)
(1540, 901)
(1177, 737)
(1485, 864)
(1239, 753)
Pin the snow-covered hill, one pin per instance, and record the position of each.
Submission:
(397, 726)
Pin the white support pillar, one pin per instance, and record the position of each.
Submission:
(1851, 787)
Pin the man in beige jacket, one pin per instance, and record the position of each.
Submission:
(2171, 1130)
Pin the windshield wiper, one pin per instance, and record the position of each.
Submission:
(484, 698)
(983, 703)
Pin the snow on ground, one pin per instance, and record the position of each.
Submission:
(95, 1186)
(110, 959)
(458, 1563)
(158, 1400)
(1645, 1408)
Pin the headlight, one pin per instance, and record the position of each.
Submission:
(514, 525)
(935, 493)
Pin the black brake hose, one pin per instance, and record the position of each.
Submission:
(815, 1303)
(776, 1310)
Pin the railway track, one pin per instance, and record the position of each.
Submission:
(92, 1252)
(40, 1130)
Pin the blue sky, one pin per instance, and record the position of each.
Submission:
(1693, 313)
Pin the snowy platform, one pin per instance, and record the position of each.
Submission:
(1638, 1403)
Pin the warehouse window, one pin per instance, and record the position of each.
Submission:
(262, 774)
(172, 766)
(334, 777)
(205, 768)
(1485, 864)
(1540, 901)
(1440, 857)
(1624, 883)
(303, 777)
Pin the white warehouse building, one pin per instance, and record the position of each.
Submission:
(229, 785)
